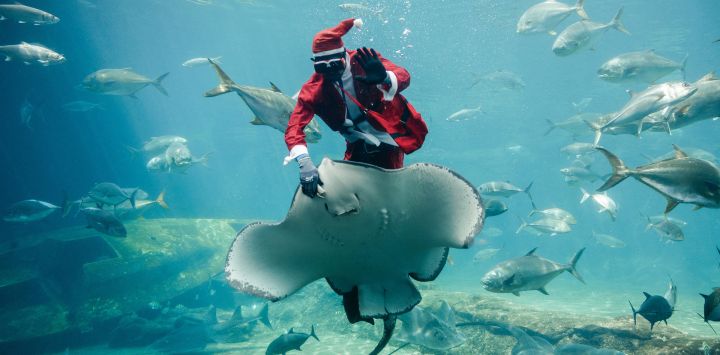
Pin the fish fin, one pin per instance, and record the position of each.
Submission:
(634, 312)
(597, 129)
(237, 316)
(580, 9)
(216, 59)
(617, 24)
(697, 207)
(665, 320)
(543, 291)
(683, 65)
(551, 128)
(573, 262)
(523, 224)
(585, 195)
(620, 171)
(161, 200)
(312, 332)
(679, 154)
(226, 84)
(290, 331)
(671, 204)
(647, 295)
(256, 121)
(158, 84)
(531, 252)
(273, 87)
(265, 317)
(527, 191)
(516, 293)
(132, 197)
(510, 280)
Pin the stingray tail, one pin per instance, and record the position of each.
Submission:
(226, 84)
(158, 84)
(620, 171)
(388, 328)
(634, 312)
(573, 262)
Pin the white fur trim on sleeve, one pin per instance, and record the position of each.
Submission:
(295, 152)
(390, 93)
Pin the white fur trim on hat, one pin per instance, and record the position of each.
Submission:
(358, 22)
(329, 52)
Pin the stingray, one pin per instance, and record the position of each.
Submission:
(371, 232)
(433, 331)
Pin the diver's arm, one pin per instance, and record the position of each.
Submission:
(299, 118)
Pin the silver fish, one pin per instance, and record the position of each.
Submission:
(578, 148)
(645, 67)
(29, 211)
(581, 34)
(31, 54)
(556, 213)
(500, 80)
(501, 188)
(159, 143)
(603, 202)
(528, 272)
(545, 16)
(653, 99)
(25, 14)
(680, 179)
(548, 226)
(575, 125)
(484, 254)
(120, 82)
(108, 193)
(289, 341)
(81, 106)
(608, 240)
(271, 107)
(465, 114)
(194, 62)
(104, 222)
(703, 105)
(666, 229)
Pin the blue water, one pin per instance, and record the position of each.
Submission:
(445, 45)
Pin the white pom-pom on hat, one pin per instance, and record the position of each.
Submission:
(358, 22)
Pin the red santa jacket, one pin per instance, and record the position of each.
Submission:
(318, 97)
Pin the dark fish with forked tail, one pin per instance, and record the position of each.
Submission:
(657, 308)
(289, 341)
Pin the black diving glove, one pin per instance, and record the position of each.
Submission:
(374, 69)
(309, 177)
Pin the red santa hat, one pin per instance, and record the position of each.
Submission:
(329, 41)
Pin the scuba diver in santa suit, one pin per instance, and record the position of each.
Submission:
(356, 93)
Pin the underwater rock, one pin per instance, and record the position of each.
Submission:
(76, 280)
